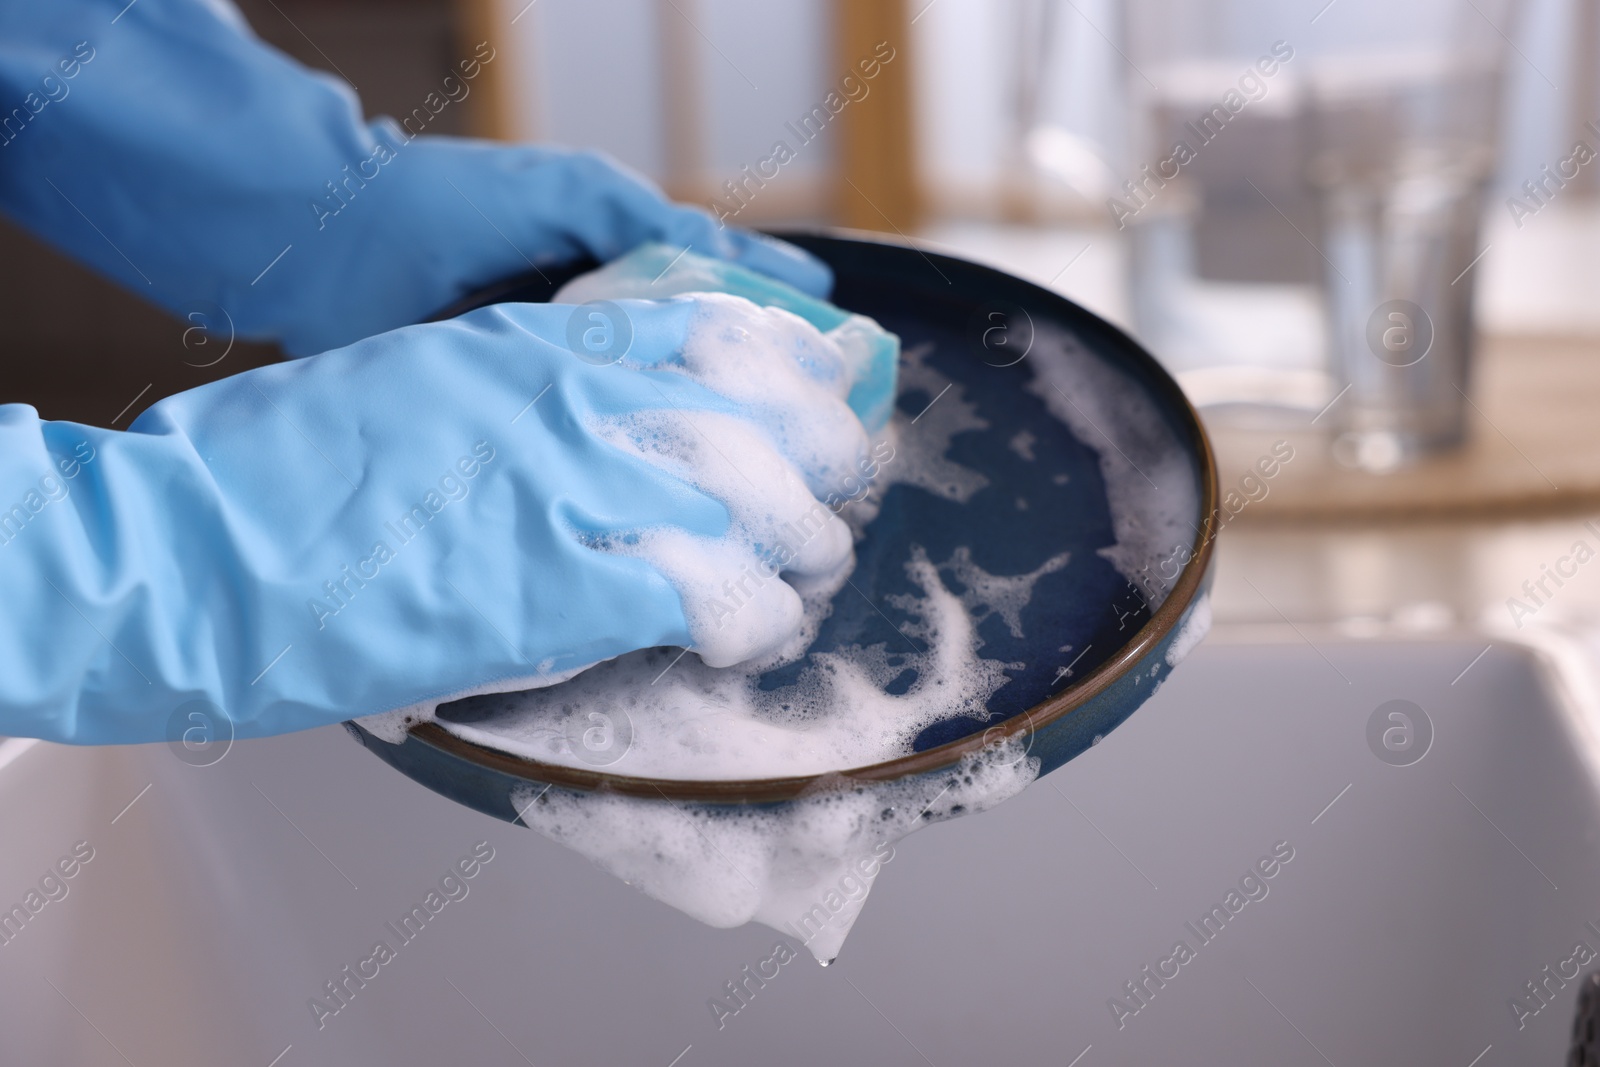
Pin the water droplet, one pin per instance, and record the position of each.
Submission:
(827, 962)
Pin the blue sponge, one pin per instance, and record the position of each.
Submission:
(655, 271)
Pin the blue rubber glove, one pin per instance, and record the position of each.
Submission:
(425, 513)
(167, 148)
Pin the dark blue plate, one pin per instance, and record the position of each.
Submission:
(1093, 651)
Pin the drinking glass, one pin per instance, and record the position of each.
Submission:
(1304, 203)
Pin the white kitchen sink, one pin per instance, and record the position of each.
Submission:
(1418, 901)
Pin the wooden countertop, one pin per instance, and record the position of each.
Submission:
(1533, 446)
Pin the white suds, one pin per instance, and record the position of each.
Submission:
(923, 439)
(804, 867)
(796, 440)
(1192, 629)
(1150, 479)
(689, 720)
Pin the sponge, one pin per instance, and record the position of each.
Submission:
(655, 271)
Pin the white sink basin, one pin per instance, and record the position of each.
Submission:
(1418, 901)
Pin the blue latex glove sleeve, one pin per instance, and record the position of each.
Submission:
(414, 516)
(167, 148)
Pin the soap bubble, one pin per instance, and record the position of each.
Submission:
(1010, 751)
(600, 738)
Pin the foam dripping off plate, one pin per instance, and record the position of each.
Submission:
(1048, 494)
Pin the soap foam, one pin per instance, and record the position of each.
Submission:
(1150, 480)
(1192, 629)
(655, 271)
(800, 866)
(803, 867)
(688, 720)
(691, 721)
(796, 441)
(922, 442)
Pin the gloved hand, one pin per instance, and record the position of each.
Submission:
(166, 147)
(476, 505)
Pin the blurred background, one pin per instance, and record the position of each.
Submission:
(1430, 157)
(1431, 160)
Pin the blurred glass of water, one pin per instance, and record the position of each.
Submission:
(1303, 205)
